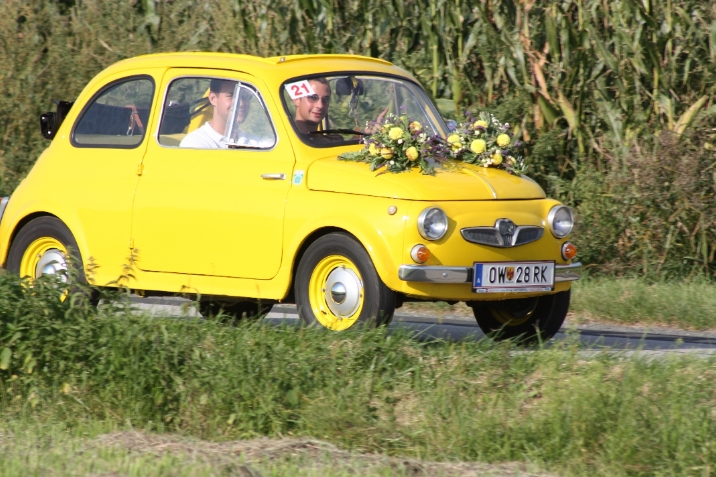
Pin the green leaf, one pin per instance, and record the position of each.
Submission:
(5, 358)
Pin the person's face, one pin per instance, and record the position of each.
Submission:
(222, 102)
(313, 108)
(243, 106)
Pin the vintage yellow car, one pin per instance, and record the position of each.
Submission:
(216, 176)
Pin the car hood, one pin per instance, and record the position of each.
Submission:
(458, 182)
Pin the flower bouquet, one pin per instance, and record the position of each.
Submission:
(399, 145)
(486, 142)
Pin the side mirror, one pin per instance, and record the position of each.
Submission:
(50, 122)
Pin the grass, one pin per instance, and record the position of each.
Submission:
(687, 305)
(74, 373)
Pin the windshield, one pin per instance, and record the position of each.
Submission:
(336, 110)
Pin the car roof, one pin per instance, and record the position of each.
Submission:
(272, 69)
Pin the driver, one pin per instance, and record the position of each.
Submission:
(211, 134)
(310, 110)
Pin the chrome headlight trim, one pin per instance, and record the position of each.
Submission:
(441, 222)
(553, 214)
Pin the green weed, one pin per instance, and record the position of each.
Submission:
(90, 372)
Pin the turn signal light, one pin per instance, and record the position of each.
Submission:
(420, 254)
(569, 251)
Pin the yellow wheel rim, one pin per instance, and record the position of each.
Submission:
(509, 319)
(45, 255)
(335, 292)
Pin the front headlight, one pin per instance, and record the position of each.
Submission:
(560, 221)
(432, 223)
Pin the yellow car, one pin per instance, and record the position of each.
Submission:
(216, 176)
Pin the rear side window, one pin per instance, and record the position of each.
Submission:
(117, 117)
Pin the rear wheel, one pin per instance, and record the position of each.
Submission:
(45, 246)
(337, 286)
(528, 319)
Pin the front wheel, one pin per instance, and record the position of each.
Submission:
(528, 319)
(337, 286)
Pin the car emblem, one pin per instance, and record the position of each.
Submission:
(506, 228)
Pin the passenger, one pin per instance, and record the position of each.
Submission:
(211, 134)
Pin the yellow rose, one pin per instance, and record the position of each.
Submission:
(480, 123)
(478, 146)
(387, 153)
(415, 126)
(497, 158)
(395, 133)
(412, 153)
(503, 140)
(373, 149)
(454, 139)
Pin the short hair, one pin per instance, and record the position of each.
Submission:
(320, 79)
(217, 85)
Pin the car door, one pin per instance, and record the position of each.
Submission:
(107, 143)
(212, 211)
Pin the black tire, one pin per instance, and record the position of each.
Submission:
(375, 301)
(235, 311)
(526, 319)
(51, 228)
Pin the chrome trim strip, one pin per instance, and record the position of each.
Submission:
(567, 273)
(3, 206)
(420, 273)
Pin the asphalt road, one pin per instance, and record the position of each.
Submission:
(592, 338)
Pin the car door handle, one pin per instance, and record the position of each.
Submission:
(273, 177)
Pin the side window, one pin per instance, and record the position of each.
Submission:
(117, 117)
(215, 113)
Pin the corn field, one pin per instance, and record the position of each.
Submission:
(615, 100)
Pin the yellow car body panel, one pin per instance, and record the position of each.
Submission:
(214, 226)
(460, 182)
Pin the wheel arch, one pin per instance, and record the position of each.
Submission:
(19, 226)
(307, 242)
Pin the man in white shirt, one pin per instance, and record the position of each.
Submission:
(211, 134)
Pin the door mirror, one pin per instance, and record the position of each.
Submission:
(50, 122)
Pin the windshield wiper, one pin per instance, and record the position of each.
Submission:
(340, 131)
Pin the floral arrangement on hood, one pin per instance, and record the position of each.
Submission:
(487, 142)
(400, 144)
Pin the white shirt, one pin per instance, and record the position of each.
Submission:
(204, 138)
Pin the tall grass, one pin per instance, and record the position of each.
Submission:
(588, 84)
(65, 364)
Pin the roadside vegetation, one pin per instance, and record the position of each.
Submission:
(613, 100)
(685, 304)
(69, 371)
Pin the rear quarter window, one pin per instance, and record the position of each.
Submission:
(117, 117)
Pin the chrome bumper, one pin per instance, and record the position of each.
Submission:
(418, 273)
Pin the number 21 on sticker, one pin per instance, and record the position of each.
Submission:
(299, 89)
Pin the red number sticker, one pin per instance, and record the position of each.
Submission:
(299, 89)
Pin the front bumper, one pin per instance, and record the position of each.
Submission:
(423, 274)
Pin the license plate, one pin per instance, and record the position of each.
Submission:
(511, 277)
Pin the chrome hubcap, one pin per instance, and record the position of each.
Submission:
(52, 262)
(344, 291)
(338, 293)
